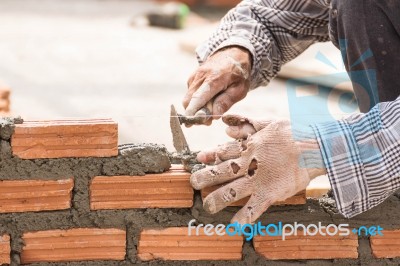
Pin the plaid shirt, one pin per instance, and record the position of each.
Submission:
(361, 153)
(362, 157)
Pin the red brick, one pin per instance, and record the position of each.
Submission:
(167, 190)
(5, 249)
(306, 247)
(386, 246)
(35, 195)
(65, 138)
(74, 245)
(176, 244)
(297, 199)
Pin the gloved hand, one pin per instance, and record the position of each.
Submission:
(268, 165)
(223, 79)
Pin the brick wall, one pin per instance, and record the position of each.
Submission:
(68, 193)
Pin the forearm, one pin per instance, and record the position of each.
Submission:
(267, 31)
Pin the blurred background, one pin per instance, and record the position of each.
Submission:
(101, 58)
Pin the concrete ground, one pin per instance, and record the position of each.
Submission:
(86, 58)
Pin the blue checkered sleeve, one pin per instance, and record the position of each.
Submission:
(362, 157)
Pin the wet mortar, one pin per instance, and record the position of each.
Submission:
(139, 159)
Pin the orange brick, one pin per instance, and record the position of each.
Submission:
(297, 199)
(65, 138)
(35, 195)
(176, 244)
(167, 190)
(5, 249)
(386, 246)
(4, 91)
(306, 247)
(74, 245)
(4, 105)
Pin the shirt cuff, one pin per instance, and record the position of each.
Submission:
(344, 166)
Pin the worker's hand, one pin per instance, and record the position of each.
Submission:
(268, 165)
(224, 78)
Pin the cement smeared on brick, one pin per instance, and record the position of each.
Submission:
(7, 125)
(139, 159)
(188, 160)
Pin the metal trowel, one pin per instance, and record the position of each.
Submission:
(184, 154)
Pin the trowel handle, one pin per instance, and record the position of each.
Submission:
(205, 114)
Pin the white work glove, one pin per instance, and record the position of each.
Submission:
(269, 166)
(222, 80)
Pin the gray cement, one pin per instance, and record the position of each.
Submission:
(7, 126)
(188, 160)
(135, 220)
(139, 159)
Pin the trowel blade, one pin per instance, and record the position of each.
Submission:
(178, 137)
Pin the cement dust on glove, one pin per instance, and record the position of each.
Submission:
(265, 163)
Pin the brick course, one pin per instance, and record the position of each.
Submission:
(35, 195)
(65, 138)
(175, 244)
(386, 246)
(167, 190)
(74, 245)
(307, 247)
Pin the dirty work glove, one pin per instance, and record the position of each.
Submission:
(267, 164)
(223, 79)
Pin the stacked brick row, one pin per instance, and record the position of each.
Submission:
(180, 243)
(386, 246)
(66, 138)
(103, 205)
(35, 195)
(74, 245)
(306, 247)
